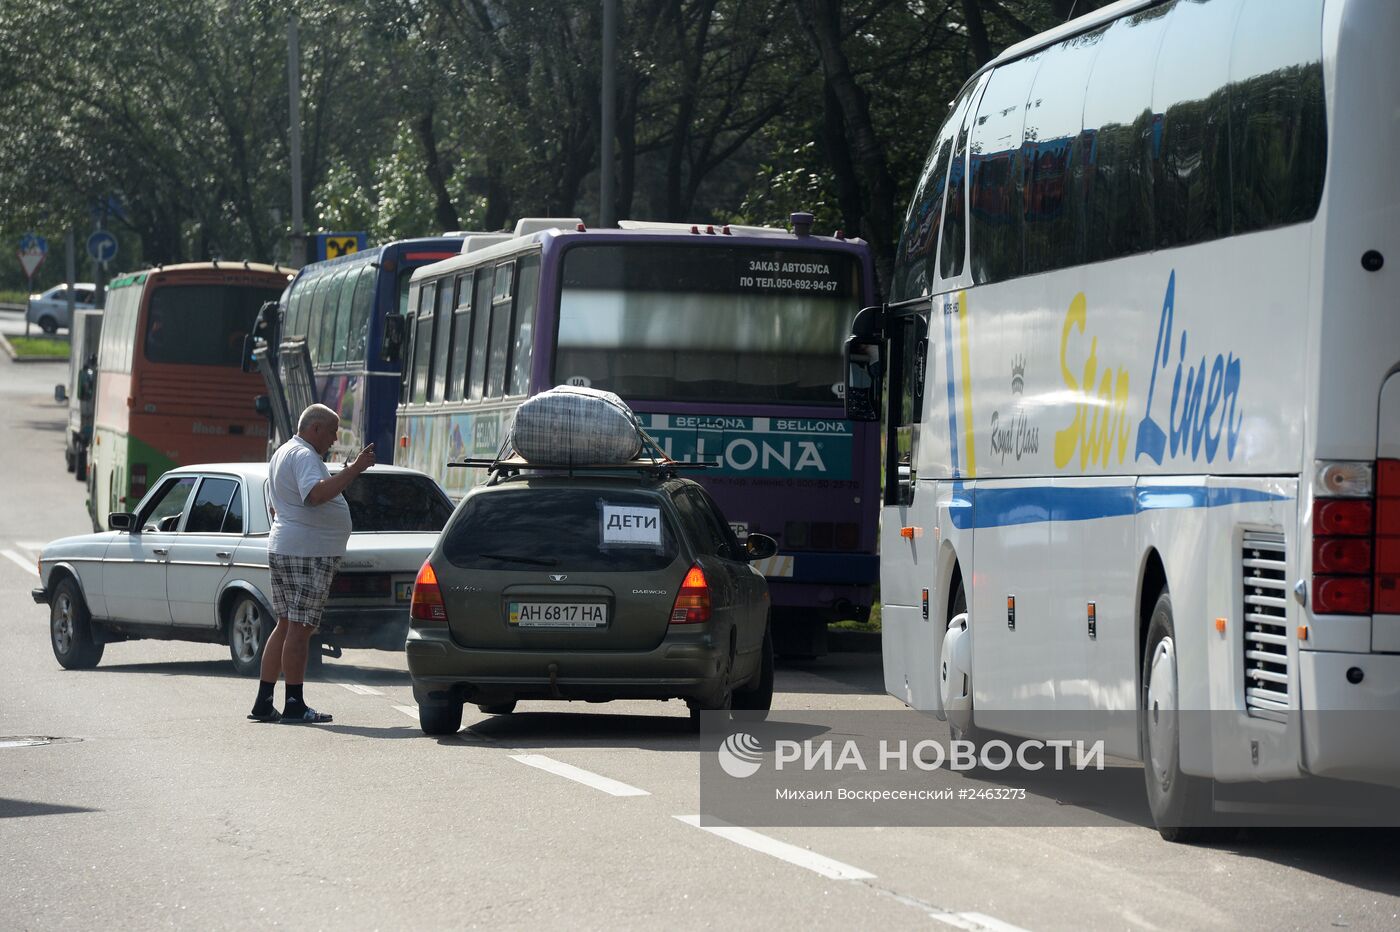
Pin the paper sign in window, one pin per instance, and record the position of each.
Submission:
(631, 526)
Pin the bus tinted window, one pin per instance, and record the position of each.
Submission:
(444, 339)
(913, 269)
(361, 310)
(461, 338)
(953, 245)
(1190, 133)
(423, 342)
(527, 290)
(342, 315)
(313, 320)
(1055, 153)
(706, 323)
(1118, 126)
(500, 331)
(996, 172)
(329, 312)
(1278, 123)
(481, 321)
(202, 325)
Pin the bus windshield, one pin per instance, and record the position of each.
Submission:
(706, 323)
(202, 325)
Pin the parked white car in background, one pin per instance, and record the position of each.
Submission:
(190, 563)
(50, 309)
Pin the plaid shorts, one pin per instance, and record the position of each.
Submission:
(300, 586)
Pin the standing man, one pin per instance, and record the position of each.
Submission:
(310, 526)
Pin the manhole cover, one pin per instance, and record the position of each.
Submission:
(32, 741)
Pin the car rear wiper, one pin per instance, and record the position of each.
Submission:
(517, 558)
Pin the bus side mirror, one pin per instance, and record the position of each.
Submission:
(262, 405)
(60, 394)
(393, 338)
(248, 363)
(864, 367)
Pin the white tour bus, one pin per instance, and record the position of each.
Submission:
(1142, 360)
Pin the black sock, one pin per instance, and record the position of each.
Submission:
(264, 700)
(294, 699)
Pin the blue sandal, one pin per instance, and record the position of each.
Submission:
(308, 717)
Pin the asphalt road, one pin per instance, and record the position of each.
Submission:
(161, 806)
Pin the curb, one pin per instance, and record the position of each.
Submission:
(853, 642)
(16, 357)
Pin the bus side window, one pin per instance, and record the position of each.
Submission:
(361, 313)
(423, 343)
(461, 338)
(342, 316)
(328, 319)
(500, 330)
(997, 163)
(527, 291)
(313, 320)
(952, 248)
(443, 347)
(481, 323)
(410, 330)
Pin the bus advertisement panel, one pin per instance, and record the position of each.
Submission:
(726, 345)
(339, 307)
(170, 388)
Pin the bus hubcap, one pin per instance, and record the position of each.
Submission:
(1161, 710)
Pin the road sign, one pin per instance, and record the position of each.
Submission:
(102, 246)
(332, 245)
(33, 250)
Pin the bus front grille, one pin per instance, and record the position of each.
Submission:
(1267, 673)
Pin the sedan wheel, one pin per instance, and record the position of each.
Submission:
(70, 629)
(248, 630)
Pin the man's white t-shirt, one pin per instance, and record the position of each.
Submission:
(299, 529)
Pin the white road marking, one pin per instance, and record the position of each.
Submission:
(24, 562)
(579, 775)
(361, 690)
(976, 922)
(781, 850)
(31, 546)
(410, 710)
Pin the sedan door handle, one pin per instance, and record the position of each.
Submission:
(223, 554)
(160, 551)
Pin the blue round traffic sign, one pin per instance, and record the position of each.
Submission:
(102, 246)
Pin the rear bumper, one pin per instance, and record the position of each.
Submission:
(681, 667)
(40, 595)
(364, 628)
(1351, 731)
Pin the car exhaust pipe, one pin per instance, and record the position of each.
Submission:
(554, 681)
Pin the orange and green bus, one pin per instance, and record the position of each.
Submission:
(170, 391)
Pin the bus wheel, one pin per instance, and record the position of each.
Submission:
(248, 629)
(80, 464)
(70, 629)
(1180, 803)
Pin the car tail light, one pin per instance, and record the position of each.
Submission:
(692, 604)
(1356, 538)
(138, 481)
(427, 604)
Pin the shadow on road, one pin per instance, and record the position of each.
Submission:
(223, 669)
(20, 808)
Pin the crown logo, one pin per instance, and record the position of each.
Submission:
(1018, 374)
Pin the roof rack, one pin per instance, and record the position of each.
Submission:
(499, 469)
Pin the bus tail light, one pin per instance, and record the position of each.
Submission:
(1356, 538)
(692, 604)
(427, 604)
(139, 479)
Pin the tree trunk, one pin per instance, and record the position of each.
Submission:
(498, 205)
(977, 32)
(443, 208)
(822, 21)
(838, 154)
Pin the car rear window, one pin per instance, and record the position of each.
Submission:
(575, 530)
(383, 502)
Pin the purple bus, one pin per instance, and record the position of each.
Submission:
(726, 341)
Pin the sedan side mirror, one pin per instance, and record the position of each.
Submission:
(760, 547)
(864, 368)
(121, 520)
(393, 338)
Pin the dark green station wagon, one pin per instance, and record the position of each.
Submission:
(623, 582)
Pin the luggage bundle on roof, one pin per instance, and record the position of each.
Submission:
(571, 426)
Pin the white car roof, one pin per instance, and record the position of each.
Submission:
(259, 470)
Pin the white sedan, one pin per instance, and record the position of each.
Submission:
(190, 564)
(50, 309)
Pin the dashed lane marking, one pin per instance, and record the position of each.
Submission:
(26, 564)
(362, 690)
(410, 710)
(30, 545)
(579, 775)
(763, 844)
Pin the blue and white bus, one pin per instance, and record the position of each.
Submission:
(725, 340)
(1143, 405)
(339, 307)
